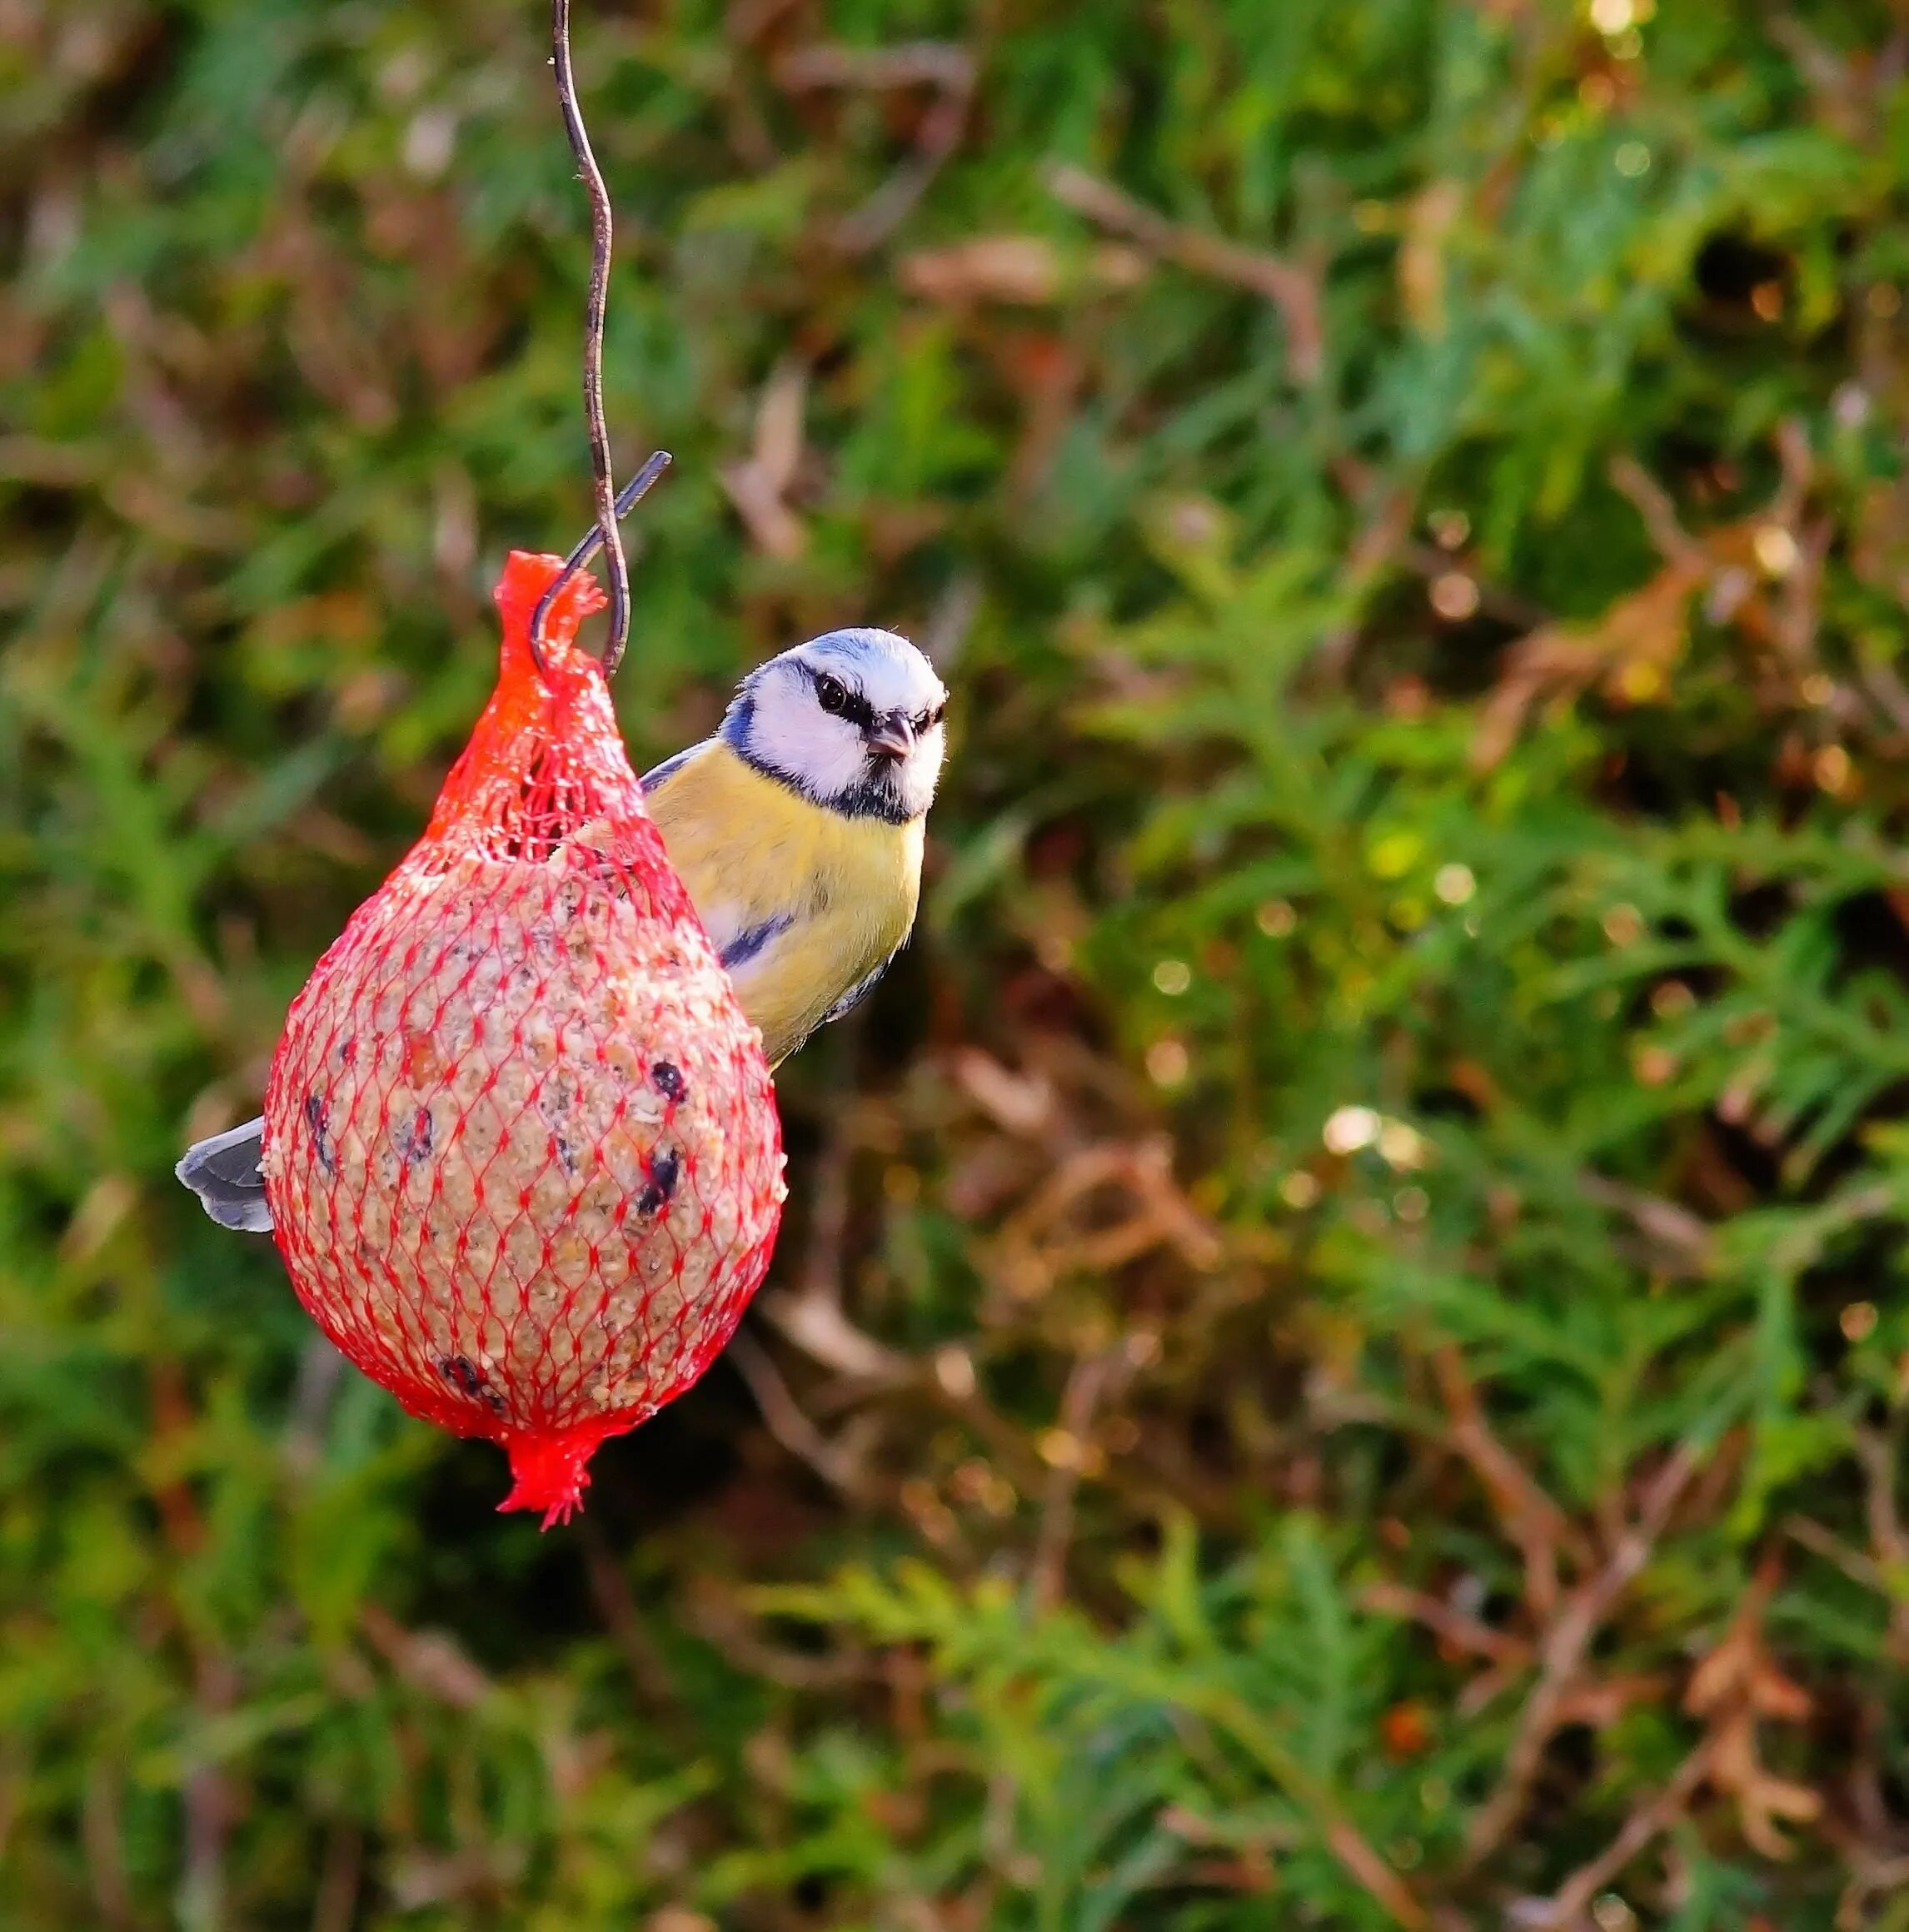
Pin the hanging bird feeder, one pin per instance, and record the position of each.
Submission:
(520, 1145)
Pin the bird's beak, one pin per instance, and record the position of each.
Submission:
(892, 736)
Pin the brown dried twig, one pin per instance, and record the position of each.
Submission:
(1567, 1906)
(1449, 1626)
(1087, 1384)
(1566, 1645)
(1536, 1524)
(609, 1588)
(1293, 290)
(758, 484)
(431, 1661)
(785, 1420)
(950, 70)
(810, 1315)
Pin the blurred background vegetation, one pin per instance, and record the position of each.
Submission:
(1338, 1357)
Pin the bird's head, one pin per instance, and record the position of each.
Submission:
(851, 720)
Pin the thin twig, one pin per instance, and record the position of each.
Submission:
(1891, 694)
(1293, 290)
(101, 1835)
(785, 1419)
(868, 226)
(602, 226)
(1566, 1645)
(1085, 1386)
(949, 69)
(934, 64)
(1648, 497)
(811, 1315)
(1450, 1626)
(210, 1807)
(1567, 1905)
(611, 1589)
(1539, 1527)
(1682, 1245)
(1832, 1548)
(336, 1904)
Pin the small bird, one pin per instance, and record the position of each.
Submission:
(797, 828)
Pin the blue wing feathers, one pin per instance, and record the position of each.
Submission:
(662, 774)
(859, 992)
(750, 941)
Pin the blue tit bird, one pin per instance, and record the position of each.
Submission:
(798, 829)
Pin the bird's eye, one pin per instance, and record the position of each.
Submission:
(832, 695)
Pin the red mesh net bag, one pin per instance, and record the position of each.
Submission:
(520, 1146)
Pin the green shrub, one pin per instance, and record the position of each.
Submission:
(1338, 1357)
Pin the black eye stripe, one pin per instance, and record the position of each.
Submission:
(835, 697)
(842, 701)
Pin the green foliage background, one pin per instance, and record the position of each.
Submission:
(1339, 1356)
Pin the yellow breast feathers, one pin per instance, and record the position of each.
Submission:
(805, 906)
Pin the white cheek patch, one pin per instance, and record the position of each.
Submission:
(792, 735)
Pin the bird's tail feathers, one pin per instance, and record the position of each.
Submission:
(226, 1172)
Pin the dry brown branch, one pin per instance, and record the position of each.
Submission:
(1506, 606)
(335, 1905)
(785, 1420)
(1024, 1105)
(949, 69)
(1871, 1878)
(1832, 1548)
(714, 1614)
(1086, 1384)
(1880, 1454)
(1632, 646)
(1733, 1688)
(321, 1369)
(102, 1833)
(919, 63)
(952, 617)
(1449, 1626)
(1346, 1844)
(13, 1787)
(1293, 290)
(428, 1660)
(1651, 502)
(1681, 1246)
(810, 1315)
(1378, 545)
(757, 484)
(1162, 1216)
(610, 1589)
(886, 210)
(1889, 692)
(1535, 1523)
(1565, 1645)
(210, 1804)
(1566, 1907)
(1021, 269)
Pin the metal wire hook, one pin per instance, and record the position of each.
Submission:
(588, 546)
(607, 534)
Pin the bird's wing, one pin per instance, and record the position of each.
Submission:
(847, 1004)
(859, 992)
(659, 775)
(802, 902)
(225, 1173)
